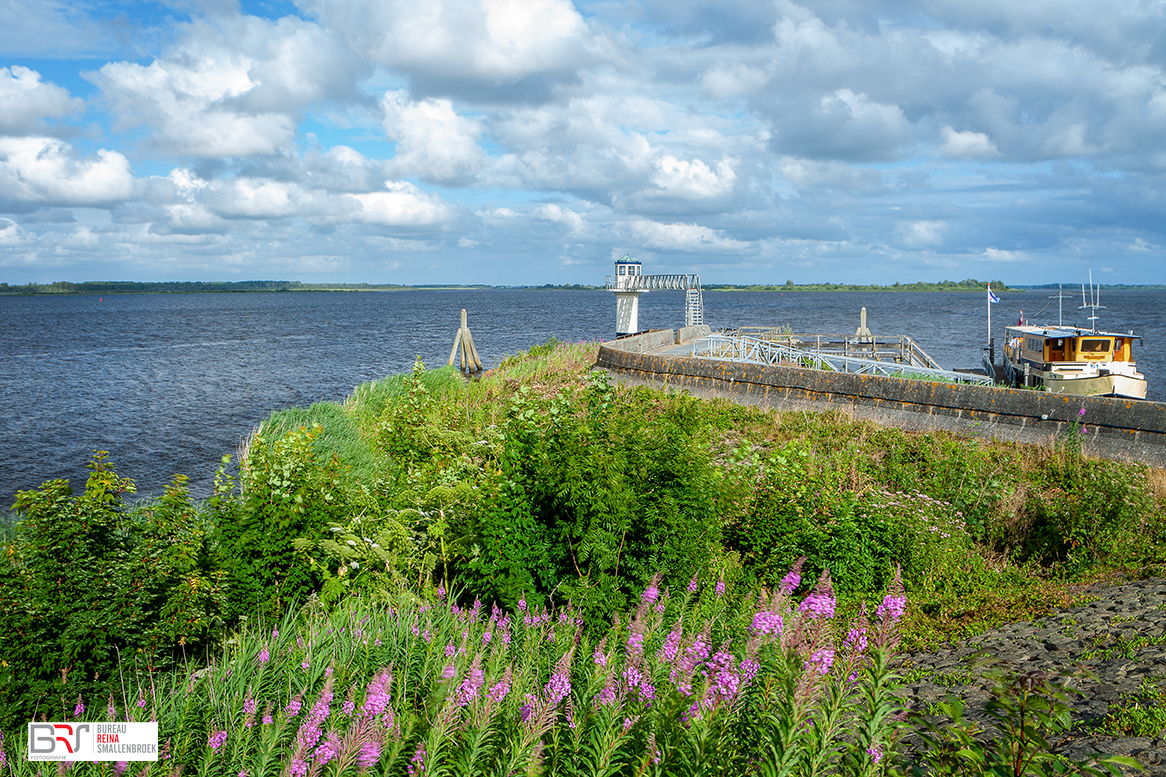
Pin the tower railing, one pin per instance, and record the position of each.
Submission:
(689, 283)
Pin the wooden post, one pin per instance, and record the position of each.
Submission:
(463, 345)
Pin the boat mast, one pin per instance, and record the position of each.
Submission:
(1092, 305)
(1060, 305)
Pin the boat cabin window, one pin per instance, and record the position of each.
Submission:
(1095, 346)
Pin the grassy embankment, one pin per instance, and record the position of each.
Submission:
(537, 486)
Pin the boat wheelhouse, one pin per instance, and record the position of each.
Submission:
(1073, 360)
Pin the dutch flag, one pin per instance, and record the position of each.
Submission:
(992, 297)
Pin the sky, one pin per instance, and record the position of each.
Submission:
(526, 142)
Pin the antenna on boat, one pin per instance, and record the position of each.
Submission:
(1093, 304)
(1060, 305)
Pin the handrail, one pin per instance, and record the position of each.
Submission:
(681, 282)
(901, 348)
(755, 351)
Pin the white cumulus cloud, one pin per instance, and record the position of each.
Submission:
(464, 45)
(47, 170)
(967, 145)
(433, 141)
(683, 237)
(402, 204)
(693, 180)
(26, 101)
(235, 87)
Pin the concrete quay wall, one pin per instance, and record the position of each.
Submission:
(1116, 428)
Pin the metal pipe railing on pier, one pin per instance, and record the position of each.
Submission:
(756, 351)
(900, 349)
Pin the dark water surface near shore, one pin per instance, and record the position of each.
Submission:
(169, 383)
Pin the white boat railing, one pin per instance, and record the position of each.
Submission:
(754, 351)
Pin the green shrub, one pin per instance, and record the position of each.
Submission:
(88, 583)
(287, 491)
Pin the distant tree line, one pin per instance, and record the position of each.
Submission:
(969, 284)
(204, 287)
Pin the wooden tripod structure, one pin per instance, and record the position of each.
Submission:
(470, 362)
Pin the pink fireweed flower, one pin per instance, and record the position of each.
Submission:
(486, 637)
(635, 644)
(720, 589)
(557, 688)
(376, 696)
(417, 763)
(216, 740)
(441, 592)
(692, 585)
(667, 651)
(141, 702)
(793, 578)
(725, 682)
(370, 753)
(468, 690)
(328, 749)
(450, 650)
(249, 705)
(264, 656)
(875, 751)
(894, 603)
(1081, 412)
(856, 639)
(522, 604)
(79, 709)
(766, 622)
(650, 595)
(598, 655)
(632, 676)
(820, 603)
(448, 673)
(820, 661)
(294, 706)
(499, 690)
(693, 657)
(111, 710)
(119, 767)
(892, 608)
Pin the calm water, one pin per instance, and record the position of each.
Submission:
(169, 383)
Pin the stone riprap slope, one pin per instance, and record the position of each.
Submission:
(1119, 635)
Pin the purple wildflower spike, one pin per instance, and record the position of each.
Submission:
(793, 578)
(216, 740)
(820, 603)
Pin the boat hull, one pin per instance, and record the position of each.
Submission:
(1113, 385)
